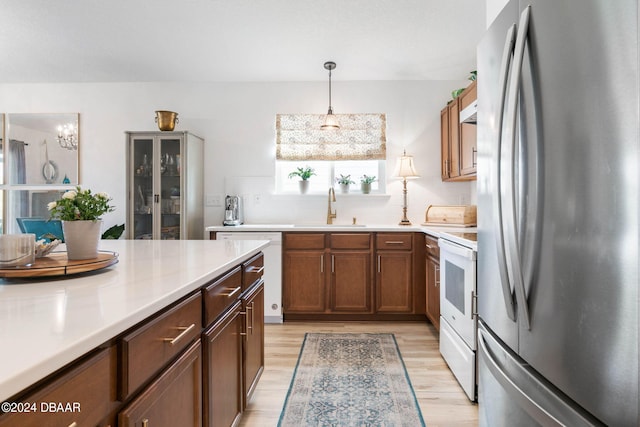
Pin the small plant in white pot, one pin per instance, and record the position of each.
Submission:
(344, 181)
(365, 183)
(304, 174)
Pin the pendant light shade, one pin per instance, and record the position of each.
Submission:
(331, 121)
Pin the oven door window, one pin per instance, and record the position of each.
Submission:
(454, 290)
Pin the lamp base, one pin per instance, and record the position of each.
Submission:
(404, 222)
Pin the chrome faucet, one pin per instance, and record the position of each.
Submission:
(331, 215)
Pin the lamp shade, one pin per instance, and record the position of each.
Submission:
(404, 167)
(331, 121)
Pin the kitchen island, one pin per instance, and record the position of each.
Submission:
(47, 324)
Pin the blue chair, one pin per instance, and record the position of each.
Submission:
(47, 229)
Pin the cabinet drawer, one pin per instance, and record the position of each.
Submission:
(252, 271)
(174, 399)
(431, 245)
(394, 241)
(304, 240)
(83, 396)
(350, 240)
(151, 346)
(221, 294)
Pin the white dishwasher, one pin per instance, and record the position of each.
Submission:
(272, 269)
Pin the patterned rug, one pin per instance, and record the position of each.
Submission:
(350, 380)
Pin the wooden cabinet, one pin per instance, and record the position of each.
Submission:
(458, 140)
(468, 135)
(394, 273)
(350, 280)
(432, 277)
(223, 394)
(86, 393)
(253, 347)
(303, 281)
(352, 276)
(173, 399)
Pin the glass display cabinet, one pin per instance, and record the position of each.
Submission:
(165, 185)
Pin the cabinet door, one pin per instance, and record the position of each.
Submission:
(433, 290)
(468, 151)
(140, 206)
(444, 144)
(304, 281)
(394, 282)
(173, 399)
(254, 340)
(454, 139)
(223, 370)
(351, 281)
(169, 161)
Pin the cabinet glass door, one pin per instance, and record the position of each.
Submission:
(143, 188)
(170, 197)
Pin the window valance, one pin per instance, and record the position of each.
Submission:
(360, 137)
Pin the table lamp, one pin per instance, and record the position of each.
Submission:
(405, 170)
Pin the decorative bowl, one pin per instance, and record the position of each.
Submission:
(43, 248)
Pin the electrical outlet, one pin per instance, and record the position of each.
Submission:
(257, 198)
(213, 200)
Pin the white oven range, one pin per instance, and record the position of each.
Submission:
(458, 307)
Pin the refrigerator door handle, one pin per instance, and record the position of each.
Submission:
(497, 199)
(512, 389)
(512, 244)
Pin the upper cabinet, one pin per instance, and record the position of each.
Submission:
(165, 185)
(458, 137)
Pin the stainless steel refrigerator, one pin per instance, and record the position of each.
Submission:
(558, 174)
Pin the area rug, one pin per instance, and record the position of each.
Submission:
(346, 380)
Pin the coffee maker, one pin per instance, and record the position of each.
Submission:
(233, 214)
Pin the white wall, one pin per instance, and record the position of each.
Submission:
(494, 7)
(237, 121)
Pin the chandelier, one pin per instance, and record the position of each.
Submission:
(68, 136)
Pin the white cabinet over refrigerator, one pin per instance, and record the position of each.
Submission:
(165, 185)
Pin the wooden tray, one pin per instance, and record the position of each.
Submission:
(57, 264)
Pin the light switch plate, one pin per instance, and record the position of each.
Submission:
(213, 200)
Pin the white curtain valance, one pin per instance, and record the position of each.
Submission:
(360, 137)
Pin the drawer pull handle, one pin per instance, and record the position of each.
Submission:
(73, 424)
(393, 242)
(233, 292)
(185, 330)
(429, 247)
(256, 270)
(145, 423)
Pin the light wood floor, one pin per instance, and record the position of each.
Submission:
(441, 400)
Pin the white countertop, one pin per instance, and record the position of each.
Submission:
(47, 323)
(448, 232)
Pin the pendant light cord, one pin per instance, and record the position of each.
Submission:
(330, 109)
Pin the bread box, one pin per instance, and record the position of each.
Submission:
(459, 216)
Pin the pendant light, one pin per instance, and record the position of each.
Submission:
(331, 121)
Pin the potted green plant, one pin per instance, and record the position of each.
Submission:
(365, 183)
(81, 211)
(344, 181)
(304, 174)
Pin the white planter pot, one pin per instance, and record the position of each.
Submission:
(304, 186)
(344, 188)
(82, 238)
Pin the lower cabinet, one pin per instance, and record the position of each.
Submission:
(253, 307)
(432, 276)
(223, 369)
(173, 399)
(353, 276)
(87, 392)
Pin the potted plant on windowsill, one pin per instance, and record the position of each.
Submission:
(365, 183)
(344, 181)
(304, 174)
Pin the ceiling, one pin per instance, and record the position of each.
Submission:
(238, 40)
